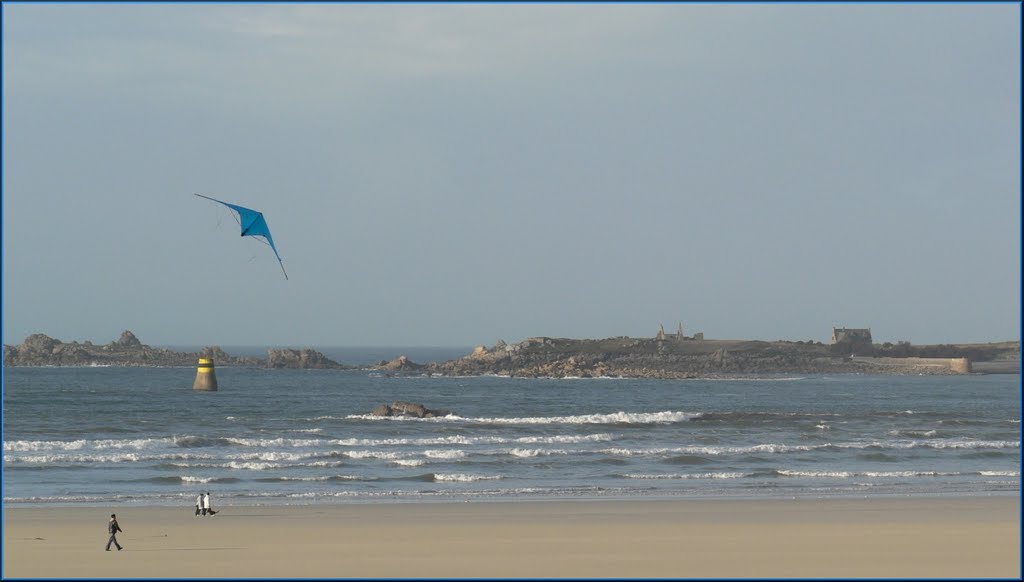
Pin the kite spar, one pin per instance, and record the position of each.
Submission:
(252, 224)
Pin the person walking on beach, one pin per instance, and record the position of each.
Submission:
(113, 528)
(207, 510)
(199, 504)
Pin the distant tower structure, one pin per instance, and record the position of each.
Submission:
(849, 335)
(677, 336)
(206, 379)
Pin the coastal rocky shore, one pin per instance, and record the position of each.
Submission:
(42, 350)
(627, 357)
(699, 358)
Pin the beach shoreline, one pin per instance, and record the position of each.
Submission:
(947, 537)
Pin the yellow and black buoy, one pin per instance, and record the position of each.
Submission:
(206, 379)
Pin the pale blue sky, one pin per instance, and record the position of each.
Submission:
(459, 174)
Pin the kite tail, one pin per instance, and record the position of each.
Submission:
(282, 269)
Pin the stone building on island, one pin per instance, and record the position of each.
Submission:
(677, 336)
(849, 335)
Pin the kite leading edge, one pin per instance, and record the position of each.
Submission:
(252, 224)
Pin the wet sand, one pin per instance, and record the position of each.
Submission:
(971, 537)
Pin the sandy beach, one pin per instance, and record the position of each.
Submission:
(905, 537)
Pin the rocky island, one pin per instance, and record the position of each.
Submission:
(678, 357)
(42, 350)
(663, 356)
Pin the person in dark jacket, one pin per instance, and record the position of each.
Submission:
(113, 528)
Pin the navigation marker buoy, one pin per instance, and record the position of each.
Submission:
(206, 379)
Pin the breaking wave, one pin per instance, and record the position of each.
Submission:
(627, 418)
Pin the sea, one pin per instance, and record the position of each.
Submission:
(89, 436)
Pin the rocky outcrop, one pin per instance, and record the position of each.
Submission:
(215, 353)
(304, 358)
(42, 350)
(400, 364)
(411, 409)
(128, 340)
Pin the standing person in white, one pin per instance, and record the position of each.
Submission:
(199, 504)
(207, 510)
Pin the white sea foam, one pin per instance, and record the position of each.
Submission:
(999, 473)
(105, 458)
(717, 475)
(276, 456)
(409, 462)
(467, 440)
(325, 464)
(710, 450)
(444, 454)
(620, 417)
(80, 444)
(278, 442)
(934, 444)
(372, 455)
(566, 439)
(44, 445)
(664, 417)
(786, 473)
(59, 458)
(448, 440)
(252, 466)
(463, 477)
(906, 474)
(189, 479)
(536, 452)
(913, 433)
(874, 474)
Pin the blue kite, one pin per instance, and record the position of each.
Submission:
(253, 224)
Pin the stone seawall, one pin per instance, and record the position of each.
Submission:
(921, 365)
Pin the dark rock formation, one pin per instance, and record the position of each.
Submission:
(42, 350)
(38, 343)
(214, 353)
(399, 408)
(400, 364)
(128, 340)
(304, 358)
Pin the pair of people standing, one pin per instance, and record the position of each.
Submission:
(203, 505)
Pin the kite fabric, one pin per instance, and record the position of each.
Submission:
(253, 224)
